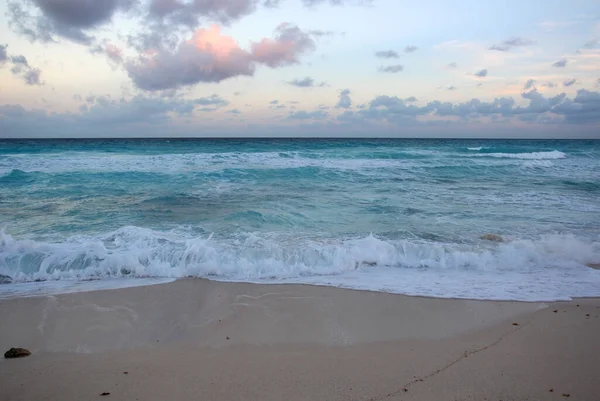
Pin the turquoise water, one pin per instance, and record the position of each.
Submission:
(399, 216)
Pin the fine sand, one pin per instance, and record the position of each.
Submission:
(201, 340)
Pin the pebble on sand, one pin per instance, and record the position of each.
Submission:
(17, 353)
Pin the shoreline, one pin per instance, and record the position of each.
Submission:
(135, 282)
(196, 338)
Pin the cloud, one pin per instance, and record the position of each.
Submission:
(189, 13)
(481, 73)
(212, 100)
(410, 49)
(592, 44)
(569, 82)
(598, 82)
(583, 109)
(3, 54)
(411, 99)
(289, 43)
(387, 54)
(210, 56)
(560, 63)
(274, 102)
(512, 42)
(19, 60)
(319, 34)
(393, 69)
(307, 82)
(234, 111)
(529, 84)
(43, 19)
(307, 115)
(452, 88)
(549, 84)
(154, 115)
(136, 116)
(311, 3)
(344, 101)
(22, 69)
(113, 52)
(452, 65)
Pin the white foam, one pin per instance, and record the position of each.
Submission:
(547, 268)
(90, 162)
(553, 155)
(476, 149)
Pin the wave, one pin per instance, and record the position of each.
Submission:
(478, 148)
(552, 155)
(547, 268)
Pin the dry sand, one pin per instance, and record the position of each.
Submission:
(201, 340)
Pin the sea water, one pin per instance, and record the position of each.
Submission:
(400, 216)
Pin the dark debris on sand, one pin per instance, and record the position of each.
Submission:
(17, 353)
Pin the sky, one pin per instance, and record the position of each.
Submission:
(300, 68)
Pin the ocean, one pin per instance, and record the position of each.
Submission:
(393, 215)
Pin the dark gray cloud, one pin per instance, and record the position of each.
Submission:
(42, 20)
(452, 65)
(307, 115)
(481, 73)
(569, 82)
(307, 82)
(344, 101)
(392, 69)
(274, 101)
(387, 54)
(452, 88)
(549, 84)
(410, 49)
(512, 42)
(212, 57)
(560, 63)
(411, 99)
(190, 13)
(529, 84)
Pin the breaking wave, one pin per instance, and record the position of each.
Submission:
(547, 268)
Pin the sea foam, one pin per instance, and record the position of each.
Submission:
(548, 268)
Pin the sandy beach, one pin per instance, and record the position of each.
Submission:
(196, 339)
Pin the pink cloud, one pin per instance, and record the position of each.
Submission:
(210, 56)
(289, 43)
